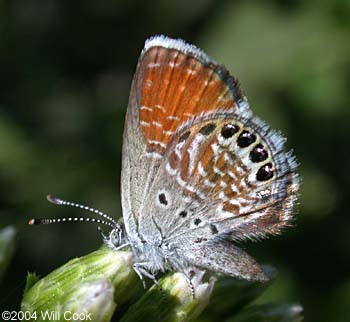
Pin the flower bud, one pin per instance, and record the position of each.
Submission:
(175, 302)
(96, 283)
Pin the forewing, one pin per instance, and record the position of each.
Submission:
(174, 85)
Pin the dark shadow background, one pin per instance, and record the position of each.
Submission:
(65, 74)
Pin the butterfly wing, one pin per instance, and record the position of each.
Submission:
(234, 177)
(197, 166)
(174, 83)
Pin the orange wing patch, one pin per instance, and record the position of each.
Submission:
(174, 88)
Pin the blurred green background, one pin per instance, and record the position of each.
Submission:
(65, 74)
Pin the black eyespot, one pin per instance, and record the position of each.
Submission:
(245, 139)
(258, 154)
(265, 172)
(213, 229)
(184, 136)
(197, 221)
(229, 130)
(207, 129)
(183, 214)
(162, 199)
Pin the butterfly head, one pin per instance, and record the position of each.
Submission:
(115, 238)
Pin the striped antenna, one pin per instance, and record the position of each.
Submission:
(46, 221)
(61, 202)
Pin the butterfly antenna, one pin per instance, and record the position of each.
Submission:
(46, 221)
(61, 202)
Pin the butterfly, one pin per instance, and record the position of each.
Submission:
(200, 172)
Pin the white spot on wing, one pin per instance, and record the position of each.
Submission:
(153, 65)
(163, 145)
(222, 196)
(188, 187)
(218, 171)
(146, 108)
(160, 107)
(240, 170)
(232, 175)
(228, 159)
(216, 150)
(173, 118)
(181, 182)
(222, 141)
(145, 124)
(193, 150)
(178, 148)
(148, 83)
(171, 64)
(234, 188)
(201, 195)
(191, 72)
(187, 199)
(209, 183)
(157, 124)
(153, 155)
(201, 170)
(170, 170)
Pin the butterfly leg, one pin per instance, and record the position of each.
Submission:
(190, 284)
(103, 234)
(121, 246)
(141, 271)
(140, 275)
